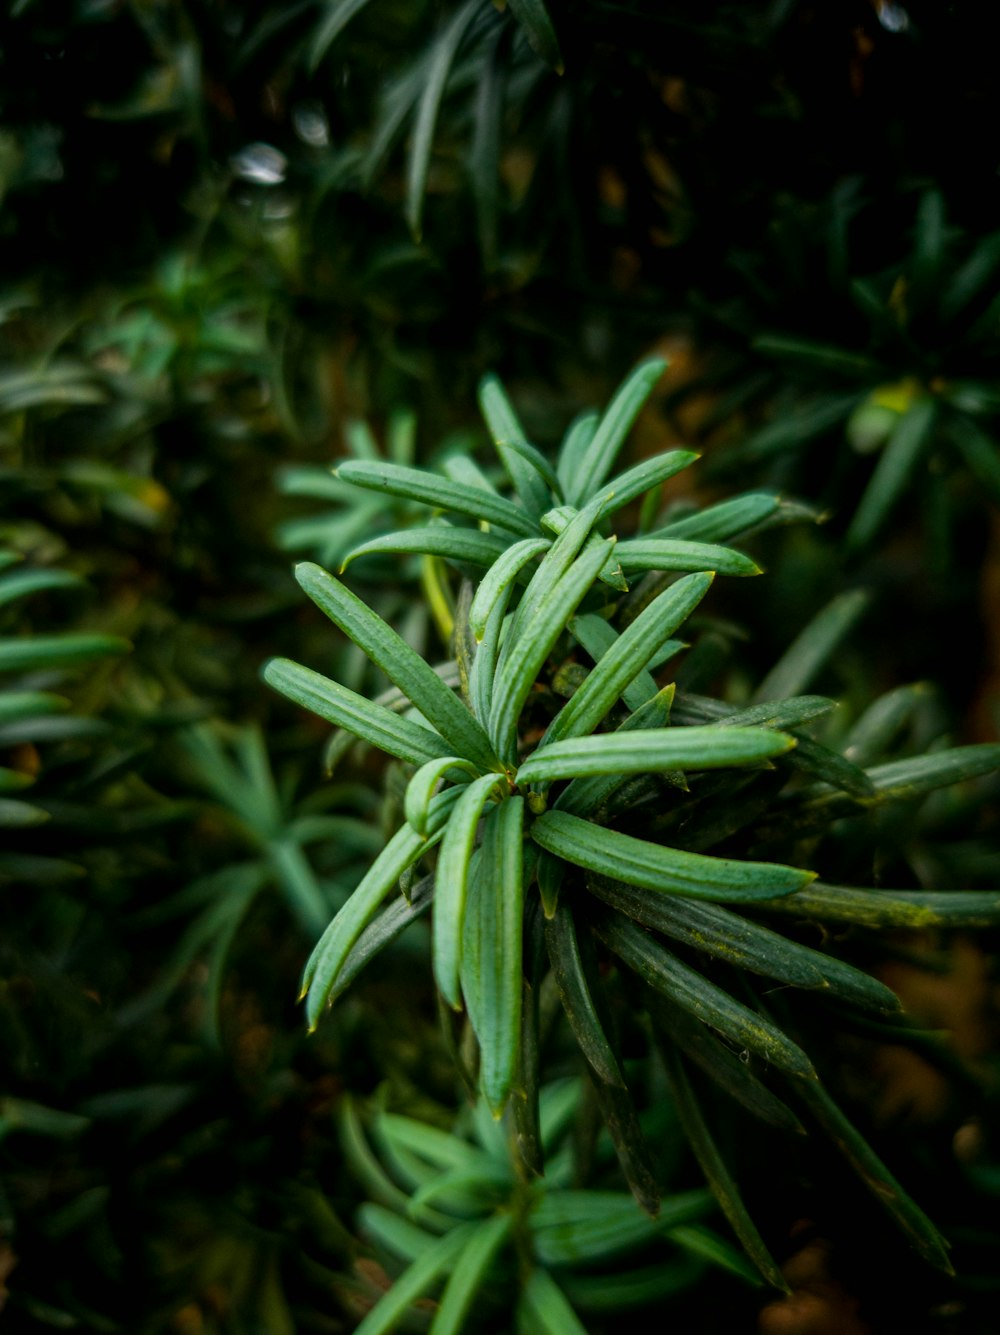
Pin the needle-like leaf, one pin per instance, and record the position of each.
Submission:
(355, 713)
(597, 461)
(669, 870)
(452, 883)
(414, 484)
(401, 664)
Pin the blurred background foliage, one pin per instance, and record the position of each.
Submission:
(240, 241)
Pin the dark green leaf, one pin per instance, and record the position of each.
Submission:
(811, 650)
(708, 1003)
(534, 19)
(574, 991)
(719, 1178)
(720, 523)
(46, 652)
(746, 945)
(870, 1168)
(338, 14)
(442, 58)
(911, 437)
(730, 1071)
(889, 908)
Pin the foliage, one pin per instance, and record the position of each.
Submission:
(230, 234)
(555, 797)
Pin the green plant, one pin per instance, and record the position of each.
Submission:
(454, 1207)
(533, 801)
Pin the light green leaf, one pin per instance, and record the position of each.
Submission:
(438, 1148)
(583, 796)
(543, 1309)
(356, 714)
(624, 488)
(435, 1261)
(644, 752)
(576, 1227)
(470, 1270)
(499, 577)
(637, 554)
(623, 660)
(598, 638)
(414, 484)
(401, 664)
(538, 462)
(599, 457)
(452, 884)
(463, 545)
(558, 520)
(553, 565)
(505, 426)
(332, 949)
(21, 583)
(398, 1236)
(493, 964)
(15, 815)
(722, 522)
(533, 641)
(18, 705)
(363, 1163)
(381, 932)
(668, 870)
(574, 446)
(420, 789)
